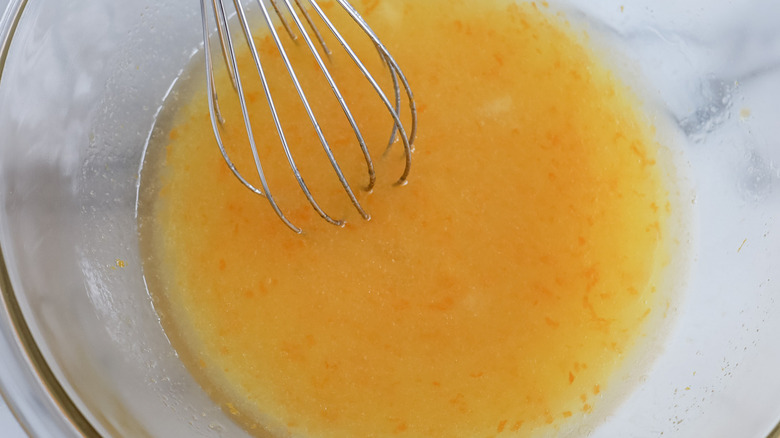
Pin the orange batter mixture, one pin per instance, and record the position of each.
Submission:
(494, 295)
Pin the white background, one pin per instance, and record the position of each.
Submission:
(9, 428)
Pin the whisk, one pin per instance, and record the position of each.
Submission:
(299, 13)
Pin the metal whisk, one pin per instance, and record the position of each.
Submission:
(300, 13)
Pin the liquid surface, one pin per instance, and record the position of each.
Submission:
(496, 294)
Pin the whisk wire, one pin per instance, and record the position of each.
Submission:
(312, 26)
(397, 93)
(282, 20)
(219, 12)
(310, 112)
(347, 112)
(228, 53)
(395, 73)
(274, 114)
(395, 69)
(214, 122)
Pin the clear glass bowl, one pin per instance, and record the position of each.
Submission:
(82, 81)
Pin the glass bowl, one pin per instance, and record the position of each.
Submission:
(82, 352)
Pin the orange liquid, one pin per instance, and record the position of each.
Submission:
(494, 295)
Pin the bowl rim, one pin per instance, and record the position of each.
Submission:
(27, 384)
